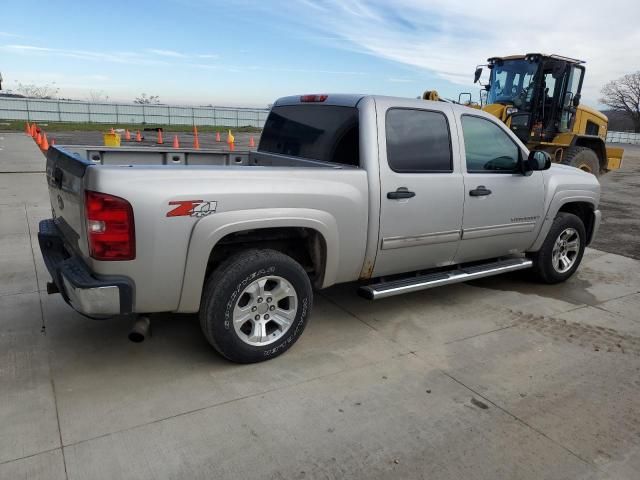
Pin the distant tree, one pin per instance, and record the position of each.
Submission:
(31, 90)
(624, 94)
(97, 96)
(147, 100)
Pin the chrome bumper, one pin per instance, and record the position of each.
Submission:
(89, 294)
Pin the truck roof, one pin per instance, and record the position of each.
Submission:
(352, 100)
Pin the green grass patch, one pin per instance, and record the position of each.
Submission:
(18, 125)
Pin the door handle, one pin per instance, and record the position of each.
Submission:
(402, 192)
(480, 191)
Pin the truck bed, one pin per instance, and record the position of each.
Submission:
(101, 155)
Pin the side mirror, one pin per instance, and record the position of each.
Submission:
(536, 161)
(476, 75)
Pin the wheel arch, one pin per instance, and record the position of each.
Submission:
(583, 206)
(310, 237)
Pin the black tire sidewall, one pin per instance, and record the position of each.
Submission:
(223, 290)
(584, 156)
(544, 258)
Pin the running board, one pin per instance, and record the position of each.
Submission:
(380, 290)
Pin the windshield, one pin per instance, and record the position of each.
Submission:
(512, 82)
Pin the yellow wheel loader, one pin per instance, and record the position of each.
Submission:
(538, 97)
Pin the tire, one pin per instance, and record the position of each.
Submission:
(258, 283)
(546, 260)
(583, 158)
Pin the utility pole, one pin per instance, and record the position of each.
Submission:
(0, 80)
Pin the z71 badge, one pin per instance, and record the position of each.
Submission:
(192, 208)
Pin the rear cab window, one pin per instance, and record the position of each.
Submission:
(318, 132)
(418, 141)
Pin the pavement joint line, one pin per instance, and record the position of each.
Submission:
(49, 450)
(20, 293)
(35, 268)
(245, 397)
(479, 334)
(635, 320)
(22, 172)
(55, 401)
(43, 331)
(515, 417)
(348, 312)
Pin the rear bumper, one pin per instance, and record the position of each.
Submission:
(89, 294)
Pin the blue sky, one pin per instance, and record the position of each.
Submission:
(248, 53)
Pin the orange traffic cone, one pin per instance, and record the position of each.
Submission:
(160, 139)
(195, 130)
(252, 143)
(27, 128)
(196, 142)
(45, 143)
(127, 135)
(53, 142)
(176, 144)
(34, 130)
(38, 139)
(218, 137)
(112, 130)
(231, 141)
(138, 136)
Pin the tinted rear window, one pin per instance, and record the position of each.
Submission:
(318, 132)
(418, 141)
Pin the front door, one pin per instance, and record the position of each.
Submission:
(421, 188)
(502, 207)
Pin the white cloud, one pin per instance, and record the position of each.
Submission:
(166, 53)
(114, 57)
(208, 55)
(450, 37)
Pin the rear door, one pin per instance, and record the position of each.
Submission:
(502, 207)
(422, 188)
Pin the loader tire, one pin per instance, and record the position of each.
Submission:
(583, 158)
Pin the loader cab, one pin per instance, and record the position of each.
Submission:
(535, 95)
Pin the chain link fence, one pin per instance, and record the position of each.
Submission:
(38, 110)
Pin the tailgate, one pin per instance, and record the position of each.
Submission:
(65, 171)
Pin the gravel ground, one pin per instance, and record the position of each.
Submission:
(620, 205)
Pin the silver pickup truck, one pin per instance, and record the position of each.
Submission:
(398, 194)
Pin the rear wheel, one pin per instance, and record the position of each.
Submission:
(562, 250)
(255, 305)
(583, 158)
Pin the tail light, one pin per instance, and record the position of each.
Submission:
(110, 227)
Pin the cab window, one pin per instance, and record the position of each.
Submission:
(488, 148)
(418, 141)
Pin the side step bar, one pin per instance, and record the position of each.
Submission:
(380, 290)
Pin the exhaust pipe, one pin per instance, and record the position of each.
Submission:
(141, 329)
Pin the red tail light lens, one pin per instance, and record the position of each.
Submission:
(313, 98)
(110, 227)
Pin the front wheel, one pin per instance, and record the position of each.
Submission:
(562, 250)
(255, 305)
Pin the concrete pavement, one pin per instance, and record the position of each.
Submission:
(496, 379)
